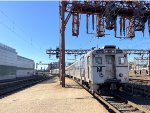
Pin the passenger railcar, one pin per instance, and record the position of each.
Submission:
(105, 68)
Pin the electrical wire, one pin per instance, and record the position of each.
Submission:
(23, 31)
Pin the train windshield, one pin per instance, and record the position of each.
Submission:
(98, 60)
(109, 59)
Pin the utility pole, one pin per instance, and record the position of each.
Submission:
(149, 63)
(62, 43)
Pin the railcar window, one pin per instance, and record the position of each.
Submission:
(121, 60)
(98, 60)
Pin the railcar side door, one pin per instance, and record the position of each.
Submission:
(110, 66)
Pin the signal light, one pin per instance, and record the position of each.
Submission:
(57, 52)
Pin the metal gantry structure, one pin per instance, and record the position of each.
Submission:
(132, 15)
(67, 51)
(84, 51)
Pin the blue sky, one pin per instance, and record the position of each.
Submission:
(33, 27)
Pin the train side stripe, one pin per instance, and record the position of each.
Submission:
(121, 66)
(98, 66)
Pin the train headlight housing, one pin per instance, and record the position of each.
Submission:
(120, 75)
(101, 75)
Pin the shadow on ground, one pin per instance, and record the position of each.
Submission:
(73, 86)
(139, 100)
(51, 80)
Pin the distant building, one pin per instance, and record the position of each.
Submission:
(13, 65)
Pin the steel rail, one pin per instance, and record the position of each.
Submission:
(138, 87)
(142, 80)
(133, 104)
(14, 81)
(106, 103)
(100, 99)
(22, 84)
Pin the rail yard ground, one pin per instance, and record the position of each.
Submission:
(143, 73)
(138, 76)
(50, 97)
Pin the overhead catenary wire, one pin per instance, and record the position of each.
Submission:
(15, 33)
(36, 45)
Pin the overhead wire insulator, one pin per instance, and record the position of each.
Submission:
(143, 32)
(99, 26)
(87, 23)
(75, 24)
(115, 29)
(124, 25)
(149, 25)
(93, 21)
(121, 25)
(130, 28)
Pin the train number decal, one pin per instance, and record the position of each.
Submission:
(99, 69)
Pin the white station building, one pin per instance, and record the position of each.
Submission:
(12, 65)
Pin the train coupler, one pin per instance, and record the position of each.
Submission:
(113, 86)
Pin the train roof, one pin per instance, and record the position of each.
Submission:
(109, 47)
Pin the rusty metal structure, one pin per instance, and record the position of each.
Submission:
(132, 16)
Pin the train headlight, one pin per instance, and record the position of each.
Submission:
(120, 75)
(101, 75)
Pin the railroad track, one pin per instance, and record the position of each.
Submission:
(138, 87)
(7, 88)
(118, 104)
(140, 79)
(114, 103)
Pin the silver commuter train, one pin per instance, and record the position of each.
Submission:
(101, 69)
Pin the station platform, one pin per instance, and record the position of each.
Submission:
(50, 97)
